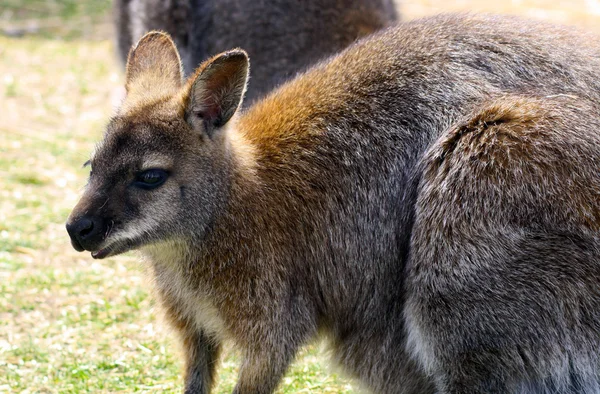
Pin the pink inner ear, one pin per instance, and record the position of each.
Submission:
(209, 111)
(218, 88)
(210, 103)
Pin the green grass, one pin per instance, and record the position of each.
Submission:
(54, 18)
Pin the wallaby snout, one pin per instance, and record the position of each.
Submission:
(87, 233)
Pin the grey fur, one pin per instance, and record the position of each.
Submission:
(436, 183)
(282, 37)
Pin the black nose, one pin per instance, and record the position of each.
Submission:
(86, 233)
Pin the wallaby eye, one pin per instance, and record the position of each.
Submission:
(151, 179)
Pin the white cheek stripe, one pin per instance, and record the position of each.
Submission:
(133, 231)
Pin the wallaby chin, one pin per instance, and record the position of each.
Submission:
(115, 249)
(433, 185)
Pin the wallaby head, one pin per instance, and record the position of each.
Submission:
(165, 159)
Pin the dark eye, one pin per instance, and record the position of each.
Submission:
(150, 179)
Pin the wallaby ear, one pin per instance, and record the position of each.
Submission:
(154, 59)
(217, 90)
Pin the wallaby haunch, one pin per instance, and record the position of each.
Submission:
(428, 200)
(282, 37)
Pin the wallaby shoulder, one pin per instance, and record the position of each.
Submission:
(439, 67)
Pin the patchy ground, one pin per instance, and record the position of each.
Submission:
(69, 323)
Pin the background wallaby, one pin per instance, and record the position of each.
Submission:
(436, 182)
(282, 37)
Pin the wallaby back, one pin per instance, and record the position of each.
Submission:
(408, 189)
(505, 251)
(282, 37)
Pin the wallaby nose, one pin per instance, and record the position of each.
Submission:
(86, 233)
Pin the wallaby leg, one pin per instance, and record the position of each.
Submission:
(201, 351)
(202, 355)
(261, 372)
(272, 345)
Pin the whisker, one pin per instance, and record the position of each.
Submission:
(105, 202)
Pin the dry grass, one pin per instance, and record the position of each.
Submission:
(68, 323)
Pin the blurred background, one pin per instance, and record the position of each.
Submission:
(69, 324)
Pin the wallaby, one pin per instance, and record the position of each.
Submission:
(427, 200)
(282, 37)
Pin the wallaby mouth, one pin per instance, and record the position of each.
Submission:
(79, 246)
(97, 254)
(92, 234)
(87, 232)
(100, 254)
(115, 248)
